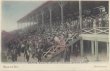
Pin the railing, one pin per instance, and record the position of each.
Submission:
(97, 30)
(87, 30)
(102, 30)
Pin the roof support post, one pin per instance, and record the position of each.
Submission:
(33, 20)
(108, 50)
(42, 13)
(50, 20)
(36, 19)
(18, 26)
(27, 24)
(21, 26)
(81, 47)
(61, 6)
(80, 15)
(37, 25)
(96, 50)
(30, 21)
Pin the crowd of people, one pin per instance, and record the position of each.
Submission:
(37, 44)
(38, 40)
(100, 20)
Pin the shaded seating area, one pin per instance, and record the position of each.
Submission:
(54, 27)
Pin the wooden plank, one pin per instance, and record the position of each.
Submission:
(97, 37)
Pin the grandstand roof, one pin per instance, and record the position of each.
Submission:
(36, 10)
(85, 5)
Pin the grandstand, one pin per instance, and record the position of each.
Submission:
(68, 29)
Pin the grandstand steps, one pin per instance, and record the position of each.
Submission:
(55, 53)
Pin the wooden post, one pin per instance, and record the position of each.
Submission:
(50, 12)
(42, 13)
(61, 6)
(36, 19)
(30, 22)
(92, 47)
(33, 20)
(96, 50)
(81, 47)
(80, 15)
(108, 50)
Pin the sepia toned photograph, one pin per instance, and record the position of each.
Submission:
(55, 31)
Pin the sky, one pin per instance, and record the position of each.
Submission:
(12, 11)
